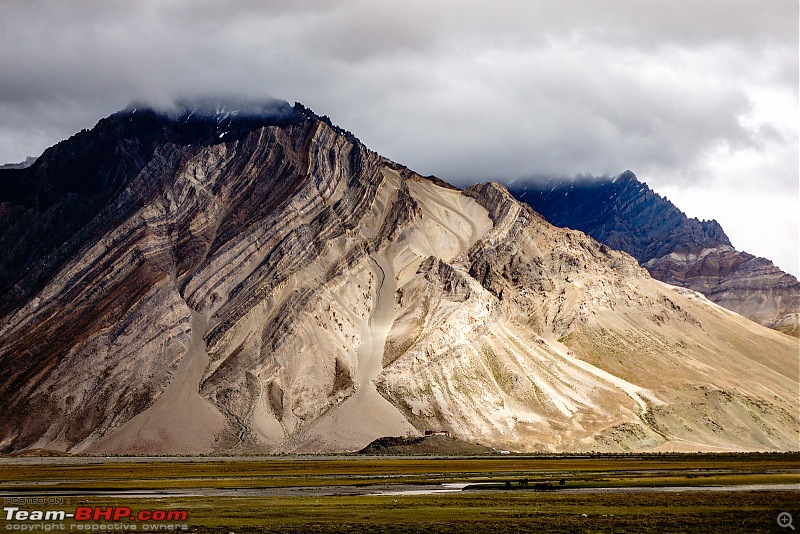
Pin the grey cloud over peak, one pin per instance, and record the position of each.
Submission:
(689, 95)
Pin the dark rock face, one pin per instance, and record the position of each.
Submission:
(626, 214)
(47, 207)
(623, 213)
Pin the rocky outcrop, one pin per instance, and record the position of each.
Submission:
(626, 214)
(739, 281)
(234, 282)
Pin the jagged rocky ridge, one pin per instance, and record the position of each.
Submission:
(194, 282)
(626, 214)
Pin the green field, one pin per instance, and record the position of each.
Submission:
(311, 494)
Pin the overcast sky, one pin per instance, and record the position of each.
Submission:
(699, 99)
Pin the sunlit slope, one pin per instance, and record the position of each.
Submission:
(542, 339)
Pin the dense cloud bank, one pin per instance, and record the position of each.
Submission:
(700, 100)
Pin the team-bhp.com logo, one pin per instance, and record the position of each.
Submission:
(25, 520)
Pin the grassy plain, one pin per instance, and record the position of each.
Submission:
(310, 494)
(496, 512)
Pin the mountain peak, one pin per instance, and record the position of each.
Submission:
(207, 121)
(623, 212)
(121, 143)
(627, 176)
(223, 108)
(225, 118)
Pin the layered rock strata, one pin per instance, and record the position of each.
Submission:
(269, 284)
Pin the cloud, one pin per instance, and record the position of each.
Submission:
(466, 90)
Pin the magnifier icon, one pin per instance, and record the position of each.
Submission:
(785, 520)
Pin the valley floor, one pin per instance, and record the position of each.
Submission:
(664, 493)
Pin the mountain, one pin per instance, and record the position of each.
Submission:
(216, 279)
(626, 214)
